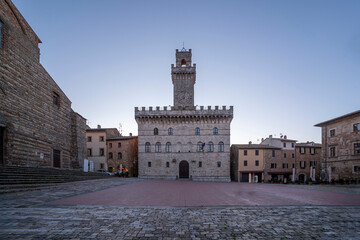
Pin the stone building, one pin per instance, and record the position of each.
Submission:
(184, 141)
(123, 152)
(279, 164)
(96, 145)
(37, 124)
(248, 161)
(307, 161)
(341, 147)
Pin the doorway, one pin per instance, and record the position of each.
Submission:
(184, 169)
(56, 158)
(2, 145)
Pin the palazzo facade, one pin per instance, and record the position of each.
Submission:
(184, 141)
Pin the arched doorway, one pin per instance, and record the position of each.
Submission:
(183, 169)
(302, 178)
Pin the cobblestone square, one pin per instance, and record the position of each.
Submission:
(46, 215)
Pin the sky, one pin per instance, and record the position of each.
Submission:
(284, 65)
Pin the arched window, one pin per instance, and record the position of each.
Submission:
(147, 147)
(183, 62)
(168, 147)
(199, 146)
(156, 131)
(119, 155)
(197, 131)
(215, 131)
(210, 147)
(221, 146)
(158, 147)
(170, 131)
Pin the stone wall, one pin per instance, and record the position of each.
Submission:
(34, 125)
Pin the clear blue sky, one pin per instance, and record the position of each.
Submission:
(283, 65)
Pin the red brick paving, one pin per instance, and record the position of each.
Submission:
(188, 193)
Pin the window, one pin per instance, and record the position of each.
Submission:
(284, 155)
(56, 99)
(285, 165)
(89, 151)
(332, 133)
(101, 166)
(210, 147)
(293, 165)
(284, 145)
(183, 62)
(158, 147)
(149, 164)
(312, 163)
(170, 131)
(292, 145)
(197, 131)
(218, 164)
(273, 165)
(312, 151)
(356, 127)
(245, 162)
(167, 164)
(302, 164)
(256, 162)
(156, 131)
(273, 153)
(302, 150)
(101, 152)
(221, 146)
(110, 156)
(245, 152)
(119, 155)
(101, 139)
(110, 145)
(168, 147)
(119, 145)
(199, 146)
(89, 139)
(200, 164)
(257, 152)
(147, 147)
(215, 131)
(293, 155)
(357, 148)
(356, 168)
(332, 151)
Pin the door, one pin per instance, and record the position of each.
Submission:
(2, 145)
(56, 158)
(244, 177)
(184, 169)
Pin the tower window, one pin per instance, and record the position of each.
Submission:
(56, 99)
(215, 131)
(199, 146)
(1, 27)
(147, 147)
(119, 155)
(197, 131)
(210, 147)
(221, 147)
(168, 147)
(158, 147)
(183, 62)
(156, 131)
(170, 131)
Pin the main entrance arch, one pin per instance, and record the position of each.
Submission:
(183, 169)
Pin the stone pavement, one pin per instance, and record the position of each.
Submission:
(33, 215)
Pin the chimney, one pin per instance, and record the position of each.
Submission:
(270, 136)
(285, 137)
(262, 139)
(250, 143)
(130, 134)
(99, 126)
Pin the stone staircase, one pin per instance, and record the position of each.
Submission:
(20, 178)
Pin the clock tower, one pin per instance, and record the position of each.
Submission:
(183, 78)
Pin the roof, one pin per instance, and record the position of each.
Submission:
(282, 139)
(254, 146)
(309, 144)
(100, 129)
(337, 119)
(121, 138)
